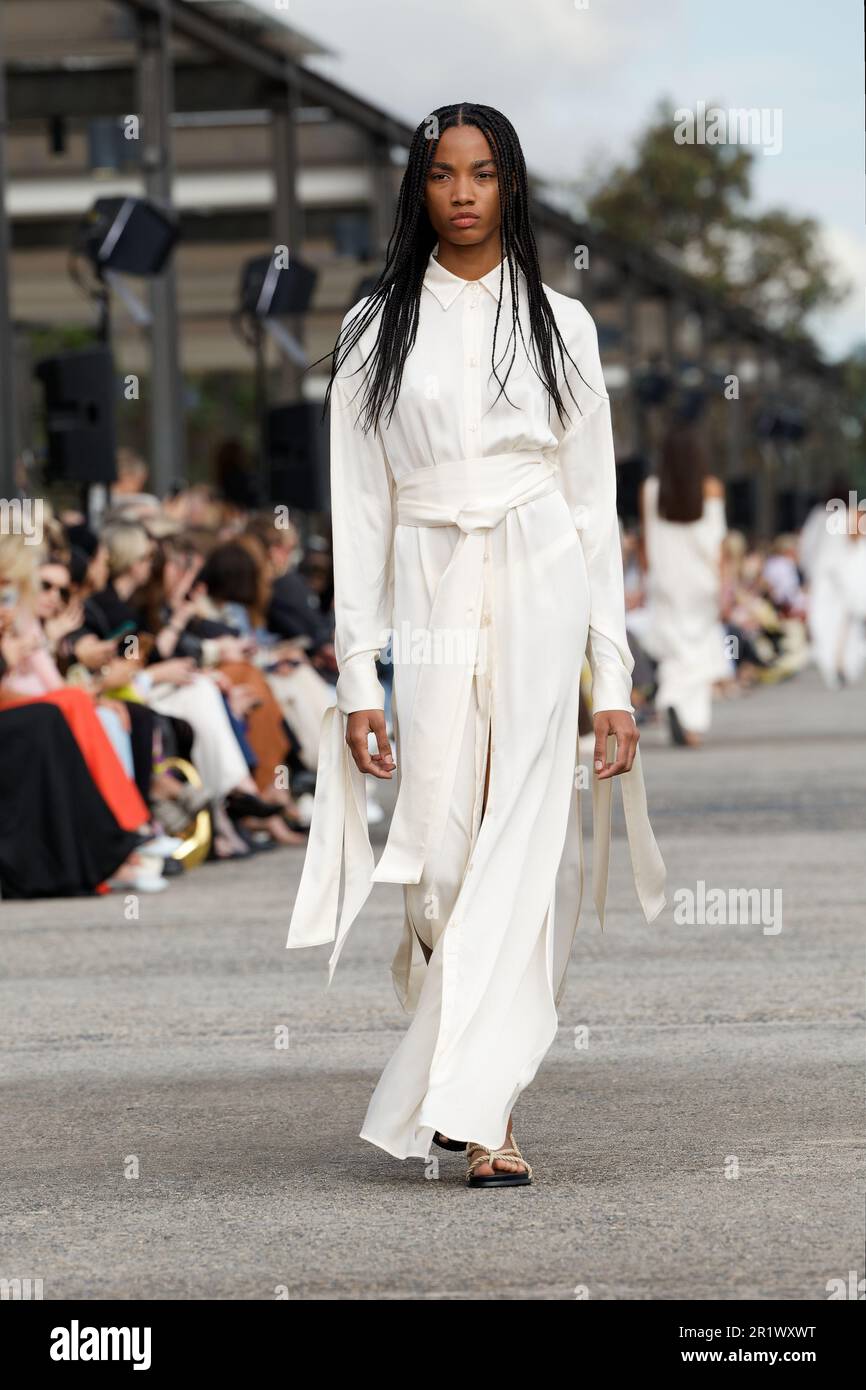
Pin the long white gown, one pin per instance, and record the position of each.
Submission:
(484, 538)
(682, 631)
(834, 562)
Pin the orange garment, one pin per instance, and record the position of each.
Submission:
(119, 793)
(265, 730)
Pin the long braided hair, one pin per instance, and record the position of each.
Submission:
(397, 291)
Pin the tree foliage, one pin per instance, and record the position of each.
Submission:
(690, 203)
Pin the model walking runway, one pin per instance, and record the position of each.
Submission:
(479, 530)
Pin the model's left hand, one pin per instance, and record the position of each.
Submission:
(621, 724)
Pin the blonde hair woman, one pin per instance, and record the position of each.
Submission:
(173, 686)
(30, 674)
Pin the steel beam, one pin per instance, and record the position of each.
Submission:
(287, 229)
(7, 342)
(167, 436)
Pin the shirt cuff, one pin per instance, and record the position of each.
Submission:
(611, 688)
(358, 685)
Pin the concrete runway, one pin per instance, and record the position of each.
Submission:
(707, 1143)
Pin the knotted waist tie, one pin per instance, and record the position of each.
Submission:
(475, 495)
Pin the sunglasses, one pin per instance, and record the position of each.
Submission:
(48, 587)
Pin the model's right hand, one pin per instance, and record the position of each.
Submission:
(358, 726)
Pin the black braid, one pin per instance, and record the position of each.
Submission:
(397, 292)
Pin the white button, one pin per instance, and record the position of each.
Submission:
(473, 361)
(473, 428)
(469, 612)
(487, 559)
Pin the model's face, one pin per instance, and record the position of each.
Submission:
(462, 193)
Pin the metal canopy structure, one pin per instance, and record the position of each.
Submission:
(166, 59)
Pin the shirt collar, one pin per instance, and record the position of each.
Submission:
(447, 286)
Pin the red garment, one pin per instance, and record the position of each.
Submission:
(119, 793)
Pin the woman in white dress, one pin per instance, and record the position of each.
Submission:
(474, 521)
(683, 519)
(837, 597)
(832, 557)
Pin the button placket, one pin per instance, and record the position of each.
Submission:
(472, 332)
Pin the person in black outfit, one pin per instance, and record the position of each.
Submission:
(57, 836)
(294, 611)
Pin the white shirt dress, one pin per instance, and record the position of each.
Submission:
(483, 539)
(836, 561)
(683, 631)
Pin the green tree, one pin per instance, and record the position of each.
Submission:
(690, 203)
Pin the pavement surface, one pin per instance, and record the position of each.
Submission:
(181, 1096)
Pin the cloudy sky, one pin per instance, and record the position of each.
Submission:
(579, 79)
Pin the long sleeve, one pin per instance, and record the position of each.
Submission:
(588, 475)
(362, 517)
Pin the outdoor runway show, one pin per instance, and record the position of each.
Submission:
(432, 672)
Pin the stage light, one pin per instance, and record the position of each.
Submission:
(128, 235)
(268, 290)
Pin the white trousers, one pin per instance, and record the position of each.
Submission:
(215, 750)
(303, 696)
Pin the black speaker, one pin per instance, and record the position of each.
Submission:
(784, 425)
(80, 397)
(297, 454)
(652, 387)
(792, 507)
(630, 473)
(268, 291)
(742, 506)
(128, 234)
(688, 404)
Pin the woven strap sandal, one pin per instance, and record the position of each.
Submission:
(457, 1146)
(477, 1155)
